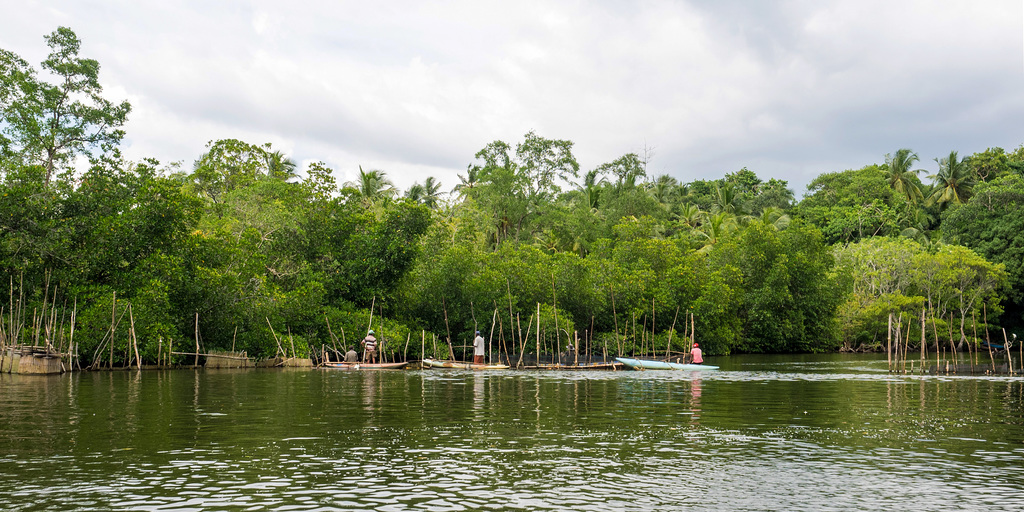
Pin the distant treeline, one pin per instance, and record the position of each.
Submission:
(611, 255)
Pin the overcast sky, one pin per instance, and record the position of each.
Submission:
(788, 89)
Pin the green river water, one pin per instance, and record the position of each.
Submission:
(828, 432)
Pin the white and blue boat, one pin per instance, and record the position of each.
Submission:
(650, 364)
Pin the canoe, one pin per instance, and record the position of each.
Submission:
(434, 363)
(366, 366)
(573, 367)
(650, 364)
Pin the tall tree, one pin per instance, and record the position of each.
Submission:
(229, 164)
(280, 166)
(49, 124)
(900, 176)
(953, 183)
(427, 193)
(468, 182)
(373, 184)
(627, 169)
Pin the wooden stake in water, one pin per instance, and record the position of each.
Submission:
(1009, 355)
(113, 327)
(668, 345)
(924, 342)
(451, 351)
(888, 344)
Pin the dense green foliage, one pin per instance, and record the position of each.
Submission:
(615, 261)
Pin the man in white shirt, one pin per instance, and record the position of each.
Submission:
(478, 349)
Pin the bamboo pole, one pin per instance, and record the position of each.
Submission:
(71, 339)
(952, 347)
(693, 330)
(924, 341)
(615, 316)
(334, 339)
(522, 340)
(196, 364)
(511, 320)
(135, 340)
(888, 343)
(538, 334)
(291, 341)
(449, 330)
(653, 353)
(280, 349)
(633, 316)
(369, 325)
(489, 337)
(1009, 355)
(590, 340)
(576, 348)
(974, 328)
(988, 340)
(668, 345)
(381, 343)
(899, 341)
(113, 328)
(554, 308)
(472, 313)
(906, 345)
(970, 354)
(502, 340)
(405, 351)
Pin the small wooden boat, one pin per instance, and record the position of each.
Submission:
(609, 365)
(435, 363)
(366, 366)
(650, 364)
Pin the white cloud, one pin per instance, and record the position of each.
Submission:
(789, 90)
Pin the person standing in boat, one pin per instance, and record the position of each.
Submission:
(696, 356)
(351, 356)
(369, 348)
(478, 349)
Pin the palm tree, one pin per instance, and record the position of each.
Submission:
(280, 166)
(663, 188)
(592, 189)
(953, 183)
(415, 192)
(430, 192)
(372, 184)
(717, 226)
(468, 182)
(427, 193)
(900, 177)
(727, 200)
(775, 217)
(690, 215)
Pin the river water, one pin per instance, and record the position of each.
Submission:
(828, 432)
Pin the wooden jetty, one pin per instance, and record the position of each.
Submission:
(30, 360)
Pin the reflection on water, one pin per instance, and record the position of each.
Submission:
(765, 434)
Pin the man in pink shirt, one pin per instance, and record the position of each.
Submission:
(696, 357)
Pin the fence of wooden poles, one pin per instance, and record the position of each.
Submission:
(953, 355)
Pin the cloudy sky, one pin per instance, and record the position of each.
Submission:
(788, 89)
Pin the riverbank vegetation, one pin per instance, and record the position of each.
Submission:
(246, 241)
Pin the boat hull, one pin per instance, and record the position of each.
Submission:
(434, 363)
(570, 367)
(366, 366)
(650, 364)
